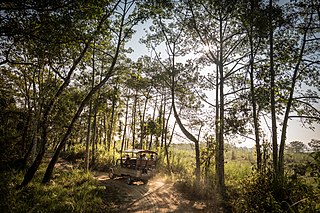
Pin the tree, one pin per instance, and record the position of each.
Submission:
(297, 146)
(304, 61)
(122, 31)
(212, 26)
(43, 40)
(171, 34)
(252, 16)
(315, 145)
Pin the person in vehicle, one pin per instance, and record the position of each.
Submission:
(143, 157)
(127, 161)
(152, 157)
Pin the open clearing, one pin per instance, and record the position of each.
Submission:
(158, 195)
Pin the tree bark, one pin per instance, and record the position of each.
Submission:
(272, 97)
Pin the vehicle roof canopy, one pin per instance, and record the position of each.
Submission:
(139, 151)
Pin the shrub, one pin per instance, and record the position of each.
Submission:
(261, 192)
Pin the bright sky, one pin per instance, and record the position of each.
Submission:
(295, 132)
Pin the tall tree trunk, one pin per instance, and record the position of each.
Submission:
(163, 120)
(87, 156)
(105, 132)
(134, 114)
(176, 115)
(290, 99)
(153, 117)
(272, 96)
(111, 121)
(220, 142)
(253, 100)
(123, 142)
(166, 145)
(220, 171)
(172, 132)
(125, 125)
(217, 122)
(94, 138)
(142, 122)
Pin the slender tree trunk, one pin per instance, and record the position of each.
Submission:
(220, 142)
(134, 114)
(142, 122)
(253, 101)
(125, 125)
(176, 115)
(172, 132)
(105, 132)
(167, 156)
(94, 138)
(289, 103)
(166, 145)
(87, 157)
(111, 121)
(163, 121)
(153, 117)
(217, 122)
(272, 97)
(221, 186)
(198, 163)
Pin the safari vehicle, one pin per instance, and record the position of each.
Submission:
(137, 165)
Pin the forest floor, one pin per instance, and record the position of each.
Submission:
(158, 195)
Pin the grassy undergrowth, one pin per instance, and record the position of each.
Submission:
(247, 190)
(69, 191)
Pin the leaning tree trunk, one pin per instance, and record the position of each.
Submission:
(289, 103)
(49, 171)
(183, 129)
(35, 165)
(62, 143)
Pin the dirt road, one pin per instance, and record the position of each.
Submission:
(158, 195)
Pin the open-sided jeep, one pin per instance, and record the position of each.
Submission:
(138, 164)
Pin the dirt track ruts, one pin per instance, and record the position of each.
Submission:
(158, 195)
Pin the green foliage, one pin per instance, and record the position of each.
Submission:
(314, 145)
(69, 191)
(297, 191)
(297, 146)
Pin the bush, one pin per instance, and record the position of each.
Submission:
(263, 193)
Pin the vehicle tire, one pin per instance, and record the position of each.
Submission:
(145, 181)
(111, 174)
(129, 181)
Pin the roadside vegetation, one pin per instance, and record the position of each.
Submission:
(82, 81)
(73, 190)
